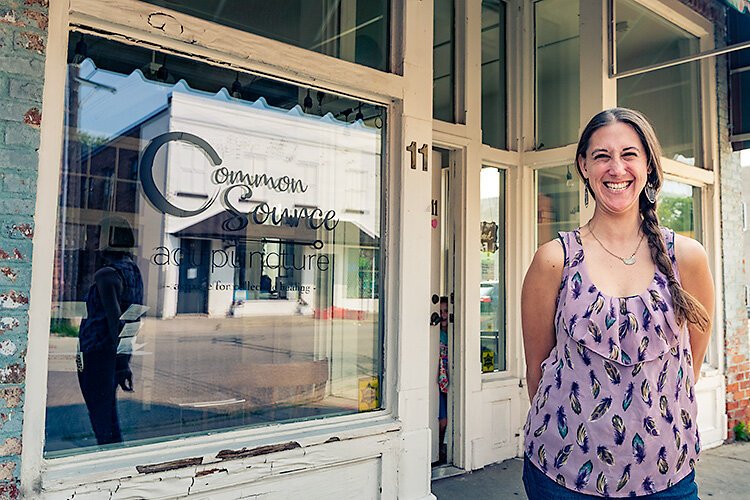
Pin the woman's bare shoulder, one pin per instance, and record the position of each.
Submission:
(548, 262)
(690, 254)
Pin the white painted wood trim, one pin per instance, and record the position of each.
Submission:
(195, 38)
(45, 219)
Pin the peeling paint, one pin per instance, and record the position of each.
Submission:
(254, 452)
(17, 255)
(33, 117)
(209, 472)
(7, 469)
(333, 439)
(40, 18)
(9, 17)
(17, 231)
(40, 3)
(10, 490)
(7, 348)
(13, 300)
(166, 23)
(31, 41)
(12, 398)
(8, 323)
(9, 273)
(166, 466)
(13, 374)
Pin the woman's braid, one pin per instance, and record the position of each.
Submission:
(686, 307)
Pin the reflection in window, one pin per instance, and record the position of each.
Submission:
(443, 61)
(557, 72)
(669, 97)
(494, 115)
(352, 30)
(557, 202)
(247, 291)
(492, 285)
(679, 208)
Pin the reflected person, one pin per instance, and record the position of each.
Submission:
(442, 380)
(117, 285)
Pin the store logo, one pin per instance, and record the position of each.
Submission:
(228, 181)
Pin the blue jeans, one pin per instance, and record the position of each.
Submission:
(540, 487)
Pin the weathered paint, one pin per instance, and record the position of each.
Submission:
(22, 67)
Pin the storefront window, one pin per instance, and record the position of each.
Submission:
(679, 208)
(492, 285)
(669, 97)
(557, 202)
(557, 43)
(494, 109)
(210, 258)
(443, 61)
(352, 30)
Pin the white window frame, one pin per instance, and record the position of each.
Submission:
(217, 45)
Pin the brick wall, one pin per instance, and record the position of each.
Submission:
(736, 341)
(23, 32)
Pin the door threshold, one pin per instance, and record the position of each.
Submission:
(447, 470)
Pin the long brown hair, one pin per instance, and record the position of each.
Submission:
(686, 307)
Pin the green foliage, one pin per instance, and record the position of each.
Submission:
(63, 328)
(676, 213)
(741, 432)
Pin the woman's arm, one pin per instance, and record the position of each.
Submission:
(538, 297)
(696, 279)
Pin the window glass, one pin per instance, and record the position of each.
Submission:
(492, 285)
(226, 276)
(352, 30)
(557, 202)
(670, 97)
(494, 114)
(679, 208)
(443, 61)
(557, 44)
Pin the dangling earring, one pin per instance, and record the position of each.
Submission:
(586, 192)
(650, 192)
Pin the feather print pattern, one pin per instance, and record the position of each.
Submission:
(584, 473)
(605, 455)
(687, 421)
(662, 377)
(595, 385)
(542, 456)
(613, 373)
(542, 428)
(575, 402)
(610, 318)
(601, 484)
(562, 422)
(646, 392)
(619, 427)
(616, 433)
(661, 461)
(664, 408)
(566, 354)
(595, 307)
(639, 448)
(649, 425)
(582, 438)
(558, 374)
(628, 397)
(601, 409)
(624, 478)
(562, 455)
(584, 353)
(576, 286)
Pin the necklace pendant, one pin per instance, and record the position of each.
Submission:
(629, 261)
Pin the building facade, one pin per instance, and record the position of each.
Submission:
(330, 207)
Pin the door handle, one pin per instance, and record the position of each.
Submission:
(434, 319)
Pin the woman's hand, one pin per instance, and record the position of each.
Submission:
(538, 298)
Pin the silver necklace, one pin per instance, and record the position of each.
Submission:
(628, 261)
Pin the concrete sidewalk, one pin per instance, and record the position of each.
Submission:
(722, 473)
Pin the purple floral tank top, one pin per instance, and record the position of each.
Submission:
(614, 414)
